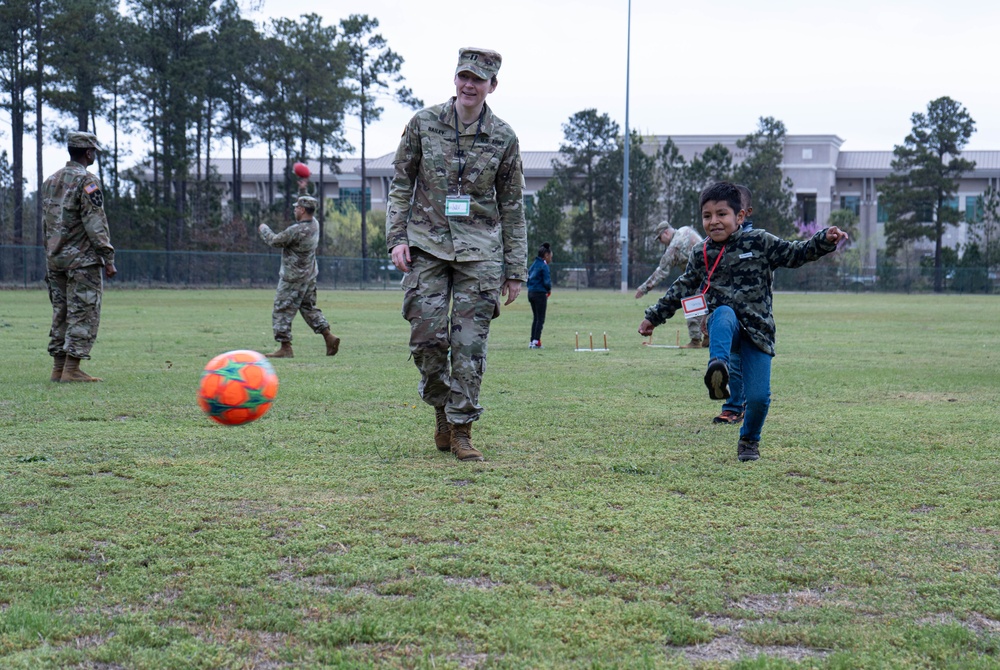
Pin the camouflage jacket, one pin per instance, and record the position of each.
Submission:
(426, 170)
(677, 253)
(298, 245)
(75, 226)
(741, 280)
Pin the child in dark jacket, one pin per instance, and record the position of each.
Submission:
(730, 277)
(539, 289)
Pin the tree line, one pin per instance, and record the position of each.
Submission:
(186, 75)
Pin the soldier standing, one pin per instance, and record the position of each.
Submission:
(455, 226)
(78, 256)
(679, 242)
(297, 279)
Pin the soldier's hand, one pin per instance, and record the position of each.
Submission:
(639, 294)
(110, 270)
(646, 327)
(401, 257)
(511, 288)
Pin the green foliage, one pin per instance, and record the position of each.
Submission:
(925, 173)
(760, 171)
(610, 526)
(846, 220)
(589, 137)
(644, 196)
(546, 222)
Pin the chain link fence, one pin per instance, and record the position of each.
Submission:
(24, 267)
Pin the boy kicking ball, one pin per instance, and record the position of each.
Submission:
(729, 276)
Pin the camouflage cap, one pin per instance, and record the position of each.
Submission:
(308, 202)
(664, 225)
(81, 140)
(481, 62)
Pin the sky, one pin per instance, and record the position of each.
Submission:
(857, 69)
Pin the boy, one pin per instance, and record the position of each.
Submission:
(731, 276)
(735, 406)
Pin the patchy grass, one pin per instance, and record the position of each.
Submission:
(610, 526)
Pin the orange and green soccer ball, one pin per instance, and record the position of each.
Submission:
(237, 387)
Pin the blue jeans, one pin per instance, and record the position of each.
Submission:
(726, 339)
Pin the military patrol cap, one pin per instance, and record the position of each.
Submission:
(81, 140)
(481, 62)
(664, 225)
(308, 202)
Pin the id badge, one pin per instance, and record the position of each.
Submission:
(694, 306)
(457, 205)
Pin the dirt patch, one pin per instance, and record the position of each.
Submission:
(484, 583)
(734, 648)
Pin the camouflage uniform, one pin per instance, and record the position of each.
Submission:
(77, 249)
(742, 279)
(677, 252)
(297, 278)
(456, 262)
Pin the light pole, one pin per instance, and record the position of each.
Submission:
(624, 221)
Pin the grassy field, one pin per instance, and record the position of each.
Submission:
(611, 525)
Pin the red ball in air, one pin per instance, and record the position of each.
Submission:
(301, 170)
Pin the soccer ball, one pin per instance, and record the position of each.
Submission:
(237, 387)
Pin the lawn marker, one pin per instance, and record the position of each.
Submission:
(592, 343)
(649, 343)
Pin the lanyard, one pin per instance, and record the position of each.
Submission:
(704, 252)
(458, 147)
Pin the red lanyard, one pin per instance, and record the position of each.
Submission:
(708, 279)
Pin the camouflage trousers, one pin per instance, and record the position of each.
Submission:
(450, 349)
(292, 297)
(696, 327)
(76, 309)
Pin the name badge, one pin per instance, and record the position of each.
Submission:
(694, 306)
(457, 205)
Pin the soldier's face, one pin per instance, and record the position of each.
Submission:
(471, 91)
(719, 220)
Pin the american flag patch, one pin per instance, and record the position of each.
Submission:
(90, 188)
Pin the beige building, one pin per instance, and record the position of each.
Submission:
(824, 178)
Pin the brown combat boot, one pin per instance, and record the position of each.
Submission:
(72, 372)
(284, 351)
(442, 430)
(461, 443)
(58, 363)
(332, 342)
(693, 344)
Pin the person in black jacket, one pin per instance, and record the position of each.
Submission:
(539, 289)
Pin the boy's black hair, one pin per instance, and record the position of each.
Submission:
(723, 191)
(747, 196)
(544, 249)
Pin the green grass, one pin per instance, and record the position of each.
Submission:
(610, 526)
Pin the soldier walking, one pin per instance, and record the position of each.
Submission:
(297, 279)
(455, 221)
(78, 255)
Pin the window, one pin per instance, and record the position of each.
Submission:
(807, 154)
(883, 214)
(851, 202)
(973, 208)
(805, 207)
(529, 205)
(353, 195)
(950, 203)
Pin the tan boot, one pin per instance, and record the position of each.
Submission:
(693, 344)
(704, 342)
(442, 430)
(284, 351)
(461, 443)
(58, 363)
(72, 372)
(332, 342)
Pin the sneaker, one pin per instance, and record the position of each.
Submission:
(728, 416)
(748, 450)
(717, 380)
